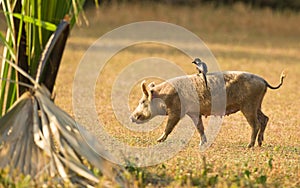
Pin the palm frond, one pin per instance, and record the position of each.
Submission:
(38, 137)
(51, 56)
(37, 22)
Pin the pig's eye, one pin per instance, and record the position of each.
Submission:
(143, 101)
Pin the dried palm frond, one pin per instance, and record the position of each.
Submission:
(38, 138)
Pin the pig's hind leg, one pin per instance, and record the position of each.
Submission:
(263, 119)
(200, 128)
(251, 116)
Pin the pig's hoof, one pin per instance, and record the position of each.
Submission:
(202, 143)
(162, 138)
(250, 145)
(259, 144)
(203, 140)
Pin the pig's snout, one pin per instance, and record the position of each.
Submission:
(133, 119)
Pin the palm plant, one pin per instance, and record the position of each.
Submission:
(30, 23)
(37, 137)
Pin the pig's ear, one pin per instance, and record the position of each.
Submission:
(151, 85)
(153, 93)
(144, 88)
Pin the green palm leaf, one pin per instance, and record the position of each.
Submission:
(28, 30)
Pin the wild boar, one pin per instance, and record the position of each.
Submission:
(188, 95)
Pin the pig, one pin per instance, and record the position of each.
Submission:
(188, 95)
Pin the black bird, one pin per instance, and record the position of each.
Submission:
(201, 67)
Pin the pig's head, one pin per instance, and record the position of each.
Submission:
(150, 105)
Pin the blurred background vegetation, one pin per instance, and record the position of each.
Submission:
(256, 36)
(273, 4)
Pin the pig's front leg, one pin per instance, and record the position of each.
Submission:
(172, 121)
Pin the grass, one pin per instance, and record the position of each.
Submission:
(259, 41)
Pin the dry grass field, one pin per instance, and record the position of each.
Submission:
(258, 41)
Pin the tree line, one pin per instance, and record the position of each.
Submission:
(273, 4)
